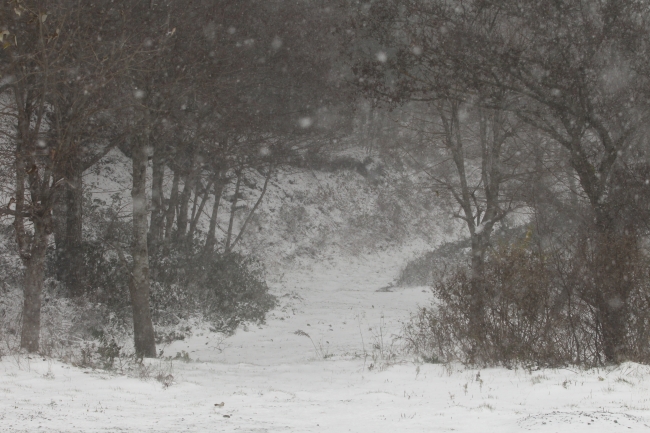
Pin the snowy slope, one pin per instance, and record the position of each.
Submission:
(305, 213)
(343, 372)
(271, 380)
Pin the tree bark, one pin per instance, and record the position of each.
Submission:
(212, 229)
(143, 332)
(156, 228)
(72, 257)
(33, 287)
(233, 209)
(170, 214)
(183, 209)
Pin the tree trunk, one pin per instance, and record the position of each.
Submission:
(171, 213)
(67, 226)
(157, 212)
(233, 208)
(73, 250)
(59, 213)
(613, 315)
(187, 241)
(184, 201)
(212, 230)
(479, 248)
(33, 287)
(143, 332)
(614, 258)
(199, 211)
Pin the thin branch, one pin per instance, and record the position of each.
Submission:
(257, 203)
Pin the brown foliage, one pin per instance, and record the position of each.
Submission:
(542, 307)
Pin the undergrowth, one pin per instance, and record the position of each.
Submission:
(539, 307)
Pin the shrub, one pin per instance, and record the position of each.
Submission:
(236, 290)
(105, 279)
(540, 309)
(226, 289)
(425, 269)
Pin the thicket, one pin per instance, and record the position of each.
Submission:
(542, 306)
(500, 114)
(221, 288)
(214, 98)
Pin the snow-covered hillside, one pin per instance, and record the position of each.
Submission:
(309, 213)
(273, 380)
(328, 358)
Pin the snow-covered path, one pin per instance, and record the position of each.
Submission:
(337, 304)
(272, 380)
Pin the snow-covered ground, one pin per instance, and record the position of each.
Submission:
(270, 379)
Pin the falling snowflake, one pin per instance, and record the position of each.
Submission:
(305, 122)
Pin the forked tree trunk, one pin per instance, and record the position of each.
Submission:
(68, 222)
(143, 332)
(479, 214)
(242, 230)
(33, 287)
(199, 211)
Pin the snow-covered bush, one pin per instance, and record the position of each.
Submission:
(10, 316)
(187, 284)
(105, 280)
(235, 290)
(224, 289)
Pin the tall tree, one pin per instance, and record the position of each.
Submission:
(46, 47)
(461, 138)
(577, 72)
(573, 65)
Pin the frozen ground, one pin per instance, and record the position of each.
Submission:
(270, 379)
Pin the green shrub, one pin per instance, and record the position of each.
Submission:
(236, 290)
(226, 289)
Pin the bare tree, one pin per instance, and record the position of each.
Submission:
(46, 49)
(575, 70)
(462, 139)
(570, 86)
